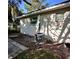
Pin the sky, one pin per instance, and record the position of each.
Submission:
(50, 2)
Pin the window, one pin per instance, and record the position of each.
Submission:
(33, 20)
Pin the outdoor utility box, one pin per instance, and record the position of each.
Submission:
(39, 37)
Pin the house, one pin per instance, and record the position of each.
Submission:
(50, 21)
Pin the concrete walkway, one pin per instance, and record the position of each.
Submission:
(14, 48)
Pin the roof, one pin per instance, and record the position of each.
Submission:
(60, 6)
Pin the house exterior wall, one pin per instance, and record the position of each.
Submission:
(49, 24)
(27, 27)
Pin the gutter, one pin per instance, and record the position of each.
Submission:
(60, 6)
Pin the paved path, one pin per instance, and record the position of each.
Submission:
(14, 48)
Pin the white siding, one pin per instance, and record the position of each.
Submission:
(30, 29)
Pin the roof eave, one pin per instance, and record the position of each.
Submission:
(60, 6)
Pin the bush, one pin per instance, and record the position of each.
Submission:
(38, 54)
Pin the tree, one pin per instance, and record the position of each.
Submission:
(13, 9)
(35, 5)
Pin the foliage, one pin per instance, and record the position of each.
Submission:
(13, 11)
(38, 54)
